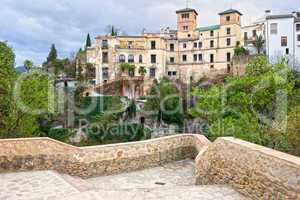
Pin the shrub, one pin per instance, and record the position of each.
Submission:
(60, 134)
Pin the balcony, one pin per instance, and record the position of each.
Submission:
(130, 47)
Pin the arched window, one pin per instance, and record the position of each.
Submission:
(122, 58)
(140, 59)
(131, 58)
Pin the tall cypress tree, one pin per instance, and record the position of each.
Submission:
(52, 54)
(88, 41)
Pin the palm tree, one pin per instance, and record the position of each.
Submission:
(259, 43)
(28, 65)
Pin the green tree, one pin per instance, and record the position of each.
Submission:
(28, 65)
(239, 50)
(7, 77)
(259, 43)
(166, 102)
(142, 70)
(33, 93)
(52, 54)
(88, 42)
(249, 107)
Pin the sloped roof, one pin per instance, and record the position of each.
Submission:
(186, 10)
(230, 11)
(208, 28)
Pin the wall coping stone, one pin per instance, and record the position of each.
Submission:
(25, 154)
(264, 150)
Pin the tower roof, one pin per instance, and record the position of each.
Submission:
(187, 10)
(230, 11)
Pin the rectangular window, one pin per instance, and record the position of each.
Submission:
(153, 59)
(172, 47)
(104, 44)
(185, 16)
(172, 60)
(283, 41)
(287, 51)
(184, 45)
(298, 38)
(153, 45)
(227, 18)
(228, 31)
(297, 27)
(211, 33)
(195, 57)
(254, 33)
(131, 58)
(211, 43)
(174, 73)
(185, 28)
(104, 57)
(169, 73)
(228, 55)
(228, 41)
(184, 58)
(200, 45)
(273, 28)
(200, 57)
(245, 36)
(195, 44)
(152, 72)
(212, 58)
(105, 73)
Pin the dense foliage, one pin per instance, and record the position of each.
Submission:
(254, 107)
(165, 102)
(60, 134)
(24, 99)
(100, 104)
(115, 133)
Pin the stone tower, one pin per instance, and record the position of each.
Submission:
(230, 17)
(186, 20)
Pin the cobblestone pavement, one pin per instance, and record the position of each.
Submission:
(43, 185)
(172, 181)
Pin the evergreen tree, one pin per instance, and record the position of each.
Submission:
(88, 41)
(52, 54)
(113, 32)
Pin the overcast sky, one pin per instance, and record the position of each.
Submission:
(31, 26)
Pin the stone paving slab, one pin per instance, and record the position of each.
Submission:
(169, 182)
(163, 193)
(41, 185)
(174, 174)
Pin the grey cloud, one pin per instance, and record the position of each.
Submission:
(31, 26)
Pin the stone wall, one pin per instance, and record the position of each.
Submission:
(48, 154)
(253, 170)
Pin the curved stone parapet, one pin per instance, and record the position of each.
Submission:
(255, 171)
(48, 154)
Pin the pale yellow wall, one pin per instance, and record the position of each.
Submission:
(142, 46)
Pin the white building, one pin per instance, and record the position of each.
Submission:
(281, 34)
(283, 38)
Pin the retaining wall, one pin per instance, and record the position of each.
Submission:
(48, 154)
(255, 171)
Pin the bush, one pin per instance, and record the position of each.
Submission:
(60, 134)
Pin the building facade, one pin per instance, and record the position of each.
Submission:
(189, 52)
(281, 34)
